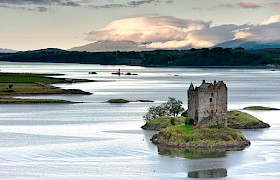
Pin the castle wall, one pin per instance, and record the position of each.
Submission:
(207, 103)
(208, 100)
(192, 104)
(222, 105)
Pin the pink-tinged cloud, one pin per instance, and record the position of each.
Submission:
(242, 35)
(174, 33)
(143, 29)
(249, 5)
(243, 4)
(227, 5)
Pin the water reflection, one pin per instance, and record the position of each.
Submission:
(192, 153)
(209, 173)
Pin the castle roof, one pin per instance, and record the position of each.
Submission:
(191, 88)
(220, 83)
(205, 85)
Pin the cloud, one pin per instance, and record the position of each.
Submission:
(274, 4)
(42, 9)
(249, 5)
(81, 3)
(266, 31)
(242, 35)
(164, 30)
(35, 2)
(131, 4)
(172, 33)
(272, 19)
(243, 4)
(263, 33)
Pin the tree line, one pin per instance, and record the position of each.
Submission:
(192, 57)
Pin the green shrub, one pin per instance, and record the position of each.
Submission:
(189, 121)
(172, 121)
(185, 113)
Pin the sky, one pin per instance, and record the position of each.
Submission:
(37, 24)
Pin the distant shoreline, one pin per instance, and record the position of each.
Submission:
(152, 66)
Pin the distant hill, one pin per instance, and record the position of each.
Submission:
(7, 51)
(248, 44)
(109, 46)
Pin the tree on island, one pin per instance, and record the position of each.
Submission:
(172, 107)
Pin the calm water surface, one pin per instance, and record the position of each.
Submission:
(96, 140)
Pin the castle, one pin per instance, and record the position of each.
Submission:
(207, 104)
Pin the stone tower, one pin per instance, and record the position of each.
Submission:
(207, 104)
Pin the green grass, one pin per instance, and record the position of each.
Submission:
(241, 118)
(27, 78)
(259, 108)
(186, 128)
(201, 137)
(32, 101)
(30, 84)
(28, 89)
(165, 121)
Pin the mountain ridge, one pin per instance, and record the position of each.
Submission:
(248, 44)
(4, 50)
(109, 46)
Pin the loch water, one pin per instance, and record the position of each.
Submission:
(97, 140)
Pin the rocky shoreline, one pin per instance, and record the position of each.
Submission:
(252, 125)
(237, 145)
(152, 128)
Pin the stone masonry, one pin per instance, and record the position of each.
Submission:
(207, 104)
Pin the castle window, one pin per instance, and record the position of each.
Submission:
(212, 94)
(211, 99)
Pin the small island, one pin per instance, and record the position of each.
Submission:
(236, 120)
(26, 84)
(260, 108)
(117, 101)
(33, 101)
(205, 125)
(187, 136)
(121, 101)
(242, 120)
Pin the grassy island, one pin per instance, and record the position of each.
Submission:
(32, 101)
(174, 133)
(18, 84)
(242, 120)
(259, 108)
(163, 122)
(22, 84)
(236, 120)
(186, 136)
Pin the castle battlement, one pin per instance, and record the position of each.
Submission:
(208, 101)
